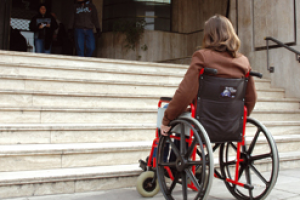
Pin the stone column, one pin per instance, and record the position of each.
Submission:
(99, 6)
(245, 26)
(5, 9)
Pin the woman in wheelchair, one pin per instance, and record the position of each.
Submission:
(220, 52)
(219, 88)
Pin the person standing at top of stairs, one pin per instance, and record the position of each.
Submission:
(83, 20)
(43, 25)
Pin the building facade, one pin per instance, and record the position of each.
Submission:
(174, 30)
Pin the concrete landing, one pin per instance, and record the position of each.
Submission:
(287, 188)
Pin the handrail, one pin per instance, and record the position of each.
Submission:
(297, 53)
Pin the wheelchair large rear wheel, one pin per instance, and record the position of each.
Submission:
(175, 164)
(260, 164)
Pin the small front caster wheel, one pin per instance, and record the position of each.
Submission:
(145, 186)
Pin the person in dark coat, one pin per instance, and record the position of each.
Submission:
(83, 20)
(43, 25)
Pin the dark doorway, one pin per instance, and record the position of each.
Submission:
(18, 13)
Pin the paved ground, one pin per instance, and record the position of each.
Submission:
(287, 188)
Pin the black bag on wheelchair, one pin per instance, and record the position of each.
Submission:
(220, 107)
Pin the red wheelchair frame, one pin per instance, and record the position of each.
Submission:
(152, 162)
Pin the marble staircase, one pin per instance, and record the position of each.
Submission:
(72, 124)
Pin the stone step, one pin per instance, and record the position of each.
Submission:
(89, 133)
(77, 116)
(67, 180)
(111, 116)
(277, 127)
(271, 92)
(55, 156)
(104, 73)
(76, 100)
(20, 60)
(104, 100)
(87, 64)
(286, 143)
(53, 84)
(276, 115)
(277, 103)
(77, 133)
(99, 74)
(85, 179)
(51, 156)
(40, 84)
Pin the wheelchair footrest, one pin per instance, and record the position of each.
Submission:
(143, 165)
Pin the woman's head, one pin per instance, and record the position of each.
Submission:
(42, 9)
(219, 35)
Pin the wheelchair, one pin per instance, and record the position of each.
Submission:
(248, 165)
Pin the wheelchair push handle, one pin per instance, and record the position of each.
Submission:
(259, 75)
(166, 99)
(210, 71)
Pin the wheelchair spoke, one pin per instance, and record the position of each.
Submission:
(233, 146)
(249, 181)
(259, 175)
(191, 148)
(184, 185)
(233, 162)
(174, 148)
(174, 183)
(251, 147)
(191, 163)
(193, 178)
(241, 171)
(200, 154)
(261, 157)
(182, 140)
(170, 164)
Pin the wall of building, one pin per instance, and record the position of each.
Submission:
(161, 45)
(279, 19)
(253, 20)
(189, 16)
(188, 19)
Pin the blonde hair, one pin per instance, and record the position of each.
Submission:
(219, 35)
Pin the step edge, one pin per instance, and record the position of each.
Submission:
(89, 94)
(76, 174)
(89, 69)
(134, 172)
(93, 60)
(73, 148)
(125, 110)
(103, 82)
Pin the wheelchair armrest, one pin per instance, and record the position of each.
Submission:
(259, 75)
(166, 99)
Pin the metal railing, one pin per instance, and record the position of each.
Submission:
(281, 44)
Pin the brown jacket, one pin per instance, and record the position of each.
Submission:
(227, 66)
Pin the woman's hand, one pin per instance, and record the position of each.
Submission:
(164, 130)
(48, 25)
(41, 26)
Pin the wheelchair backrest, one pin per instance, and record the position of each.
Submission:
(220, 107)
